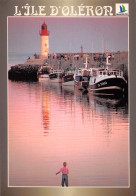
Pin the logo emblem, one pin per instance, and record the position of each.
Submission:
(122, 9)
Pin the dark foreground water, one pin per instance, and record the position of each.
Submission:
(48, 124)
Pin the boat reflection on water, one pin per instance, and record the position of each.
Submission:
(82, 97)
(69, 89)
(89, 132)
(90, 101)
(102, 101)
(110, 102)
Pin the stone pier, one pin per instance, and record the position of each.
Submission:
(66, 61)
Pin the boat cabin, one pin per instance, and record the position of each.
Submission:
(78, 72)
(81, 78)
(104, 72)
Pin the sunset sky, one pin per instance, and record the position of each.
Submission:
(68, 34)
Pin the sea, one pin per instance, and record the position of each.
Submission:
(49, 124)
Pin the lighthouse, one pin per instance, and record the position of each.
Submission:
(44, 33)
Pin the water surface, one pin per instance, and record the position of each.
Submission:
(48, 124)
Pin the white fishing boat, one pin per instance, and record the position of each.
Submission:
(56, 76)
(43, 72)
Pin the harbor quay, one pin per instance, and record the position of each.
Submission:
(67, 61)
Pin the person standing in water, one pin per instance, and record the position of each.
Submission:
(65, 172)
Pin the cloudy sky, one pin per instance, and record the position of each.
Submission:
(68, 34)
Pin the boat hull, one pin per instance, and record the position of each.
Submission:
(55, 78)
(43, 76)
(82, 85)
(69, 83)
(68, 80)
(109, 86)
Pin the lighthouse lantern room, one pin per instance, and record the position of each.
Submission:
(44, 33)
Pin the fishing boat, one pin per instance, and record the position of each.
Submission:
(43, 72)
(81, 78)
(107, 81)
(56, 76)
(81, 81)
(68, 80)
(78, 72)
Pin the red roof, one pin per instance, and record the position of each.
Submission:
(44, 30)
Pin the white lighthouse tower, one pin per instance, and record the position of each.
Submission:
(44, 33)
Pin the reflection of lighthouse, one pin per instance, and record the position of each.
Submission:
(45, 106)
(44, 33)
(46, 109)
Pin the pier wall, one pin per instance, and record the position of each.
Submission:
(66, 61)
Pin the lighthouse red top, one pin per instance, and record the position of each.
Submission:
(44, 30)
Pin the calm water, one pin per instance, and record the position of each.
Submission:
(17, 58)
(48, 124)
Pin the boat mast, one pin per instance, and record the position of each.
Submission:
(86, 65)
(107, 61)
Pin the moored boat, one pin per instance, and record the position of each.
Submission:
(43, 72)
(107, 82)
(78, 72)
(82, 80)
(56, 77)
(68, 80)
